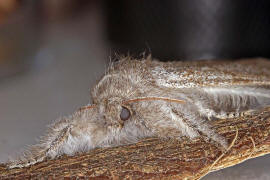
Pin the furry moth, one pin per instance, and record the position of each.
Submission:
(143, 98)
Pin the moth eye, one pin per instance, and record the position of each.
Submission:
(125, 114)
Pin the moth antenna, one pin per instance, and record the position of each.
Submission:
(86, 107)
(154, 99)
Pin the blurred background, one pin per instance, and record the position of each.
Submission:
(53, 51)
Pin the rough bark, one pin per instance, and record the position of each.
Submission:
(161, 159)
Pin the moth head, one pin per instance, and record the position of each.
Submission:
(115, 113)
(111, 92)
(139, 114)
(114, 122)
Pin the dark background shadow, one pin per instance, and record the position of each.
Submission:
(190, 29)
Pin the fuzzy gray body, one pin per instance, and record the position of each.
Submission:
(208, 90)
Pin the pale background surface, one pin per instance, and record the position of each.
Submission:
(71, 58)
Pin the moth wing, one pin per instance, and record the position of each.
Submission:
(197, 74)
(219, 89)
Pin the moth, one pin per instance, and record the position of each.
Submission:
(138, 98)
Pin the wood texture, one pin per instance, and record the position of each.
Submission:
(160, 159)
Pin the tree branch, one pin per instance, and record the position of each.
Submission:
(156, 158)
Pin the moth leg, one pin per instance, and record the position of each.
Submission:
(199, 125)
(204, 172)
(248, 112)
(207, 131)
(57, 144)
(183, 125)
(210, 113)
(228, 115)
(48, 147)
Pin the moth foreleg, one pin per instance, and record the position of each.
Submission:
(192, 124)
(49, 147)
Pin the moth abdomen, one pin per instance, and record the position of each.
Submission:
(229, 102)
